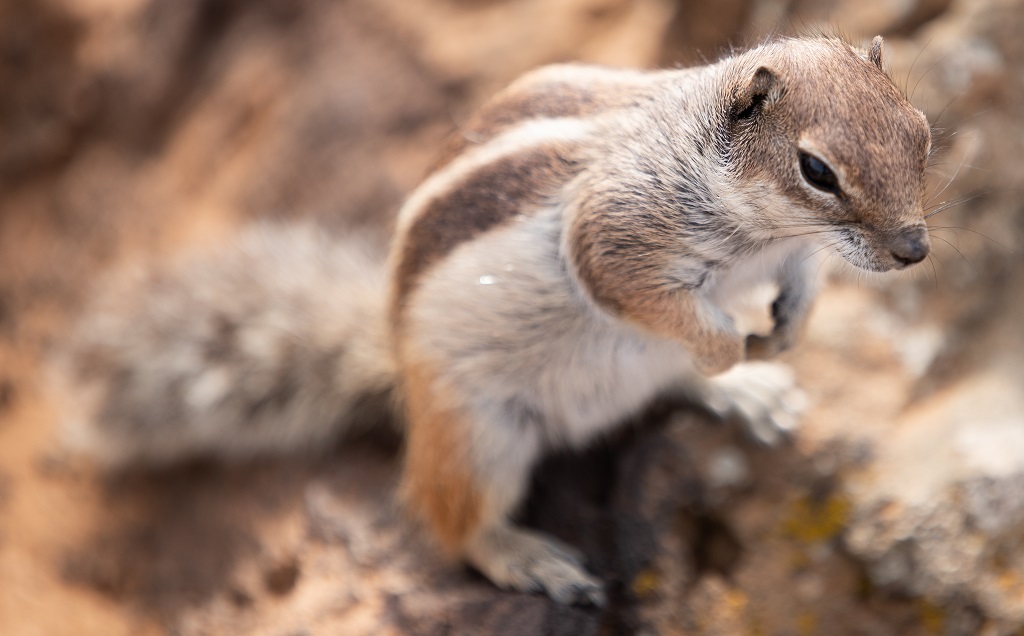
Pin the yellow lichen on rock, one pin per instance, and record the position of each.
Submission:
(811, 521)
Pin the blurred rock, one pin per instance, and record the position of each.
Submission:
(129, 129)
(46, 104)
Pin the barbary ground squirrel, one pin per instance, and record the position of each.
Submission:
(586, 244)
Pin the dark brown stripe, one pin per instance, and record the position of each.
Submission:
(544, 100)
(486, 198)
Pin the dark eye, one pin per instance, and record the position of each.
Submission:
(818, 174)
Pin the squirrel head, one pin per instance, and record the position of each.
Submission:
(820, 136)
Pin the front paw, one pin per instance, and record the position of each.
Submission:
(767, 347)
(789, 314)
(764, 396)
(518, 559)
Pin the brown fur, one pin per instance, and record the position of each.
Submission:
(618, 259)
(634, 255)
(636, 294)
(678, 317)
(857, 95)
(504, 113)
(438, 485)
(487, 198)
(623, 259)
(531, 99)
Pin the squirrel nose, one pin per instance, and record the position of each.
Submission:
(911, 245)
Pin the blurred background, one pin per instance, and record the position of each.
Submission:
(133, 129)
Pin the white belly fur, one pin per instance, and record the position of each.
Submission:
(570, 366)
(571, 371)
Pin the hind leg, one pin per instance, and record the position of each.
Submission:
(465, 477)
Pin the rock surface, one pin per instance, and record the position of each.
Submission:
(130, 129)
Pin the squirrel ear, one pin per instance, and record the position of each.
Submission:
(751, 96)
(875, 52)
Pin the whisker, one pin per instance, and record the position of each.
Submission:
(948, 203)
(942, 112)
(923, 75)
(960, 253)
(824, 247)
(967, 229)
(910, 72)
(948, 183)
(973, 115)
(966, 165)
(817, 273)
(957, 236)
(952, 203)
(803, 234)
(808, 224)
(935, 274)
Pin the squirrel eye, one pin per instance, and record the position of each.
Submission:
(818, 174)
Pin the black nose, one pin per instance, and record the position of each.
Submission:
(911, 245)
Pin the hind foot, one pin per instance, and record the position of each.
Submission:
(518, 559)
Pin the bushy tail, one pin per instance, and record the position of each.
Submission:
(272, 344)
